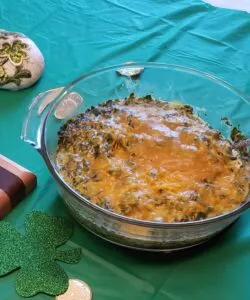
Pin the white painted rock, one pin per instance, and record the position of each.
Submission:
(21, 62)
(231, 4)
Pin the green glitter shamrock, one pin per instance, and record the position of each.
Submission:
(15, 52)
(34, 253)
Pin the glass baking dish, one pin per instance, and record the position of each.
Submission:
(212, 99)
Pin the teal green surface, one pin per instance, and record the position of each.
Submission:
(76, 36)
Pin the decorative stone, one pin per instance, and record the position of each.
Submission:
(21, 62)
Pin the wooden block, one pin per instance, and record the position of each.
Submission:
(15, 183)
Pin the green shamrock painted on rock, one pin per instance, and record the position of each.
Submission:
(15, 52)
(35, 254)
(16, 78)
(3, 75)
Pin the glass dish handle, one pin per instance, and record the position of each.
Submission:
(37, 112)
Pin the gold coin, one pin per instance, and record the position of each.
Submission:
(77, 290)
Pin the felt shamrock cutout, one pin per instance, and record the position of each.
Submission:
(35, 254)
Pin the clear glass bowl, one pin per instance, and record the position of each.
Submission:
(211, 98)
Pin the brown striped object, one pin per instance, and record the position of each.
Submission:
(15, 183)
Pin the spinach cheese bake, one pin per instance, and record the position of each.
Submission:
(151, 160)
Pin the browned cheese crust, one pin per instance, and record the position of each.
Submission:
(151, 160)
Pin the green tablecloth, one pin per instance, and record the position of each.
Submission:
(77, 36)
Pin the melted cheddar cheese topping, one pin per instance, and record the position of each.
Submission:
(151, 160)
